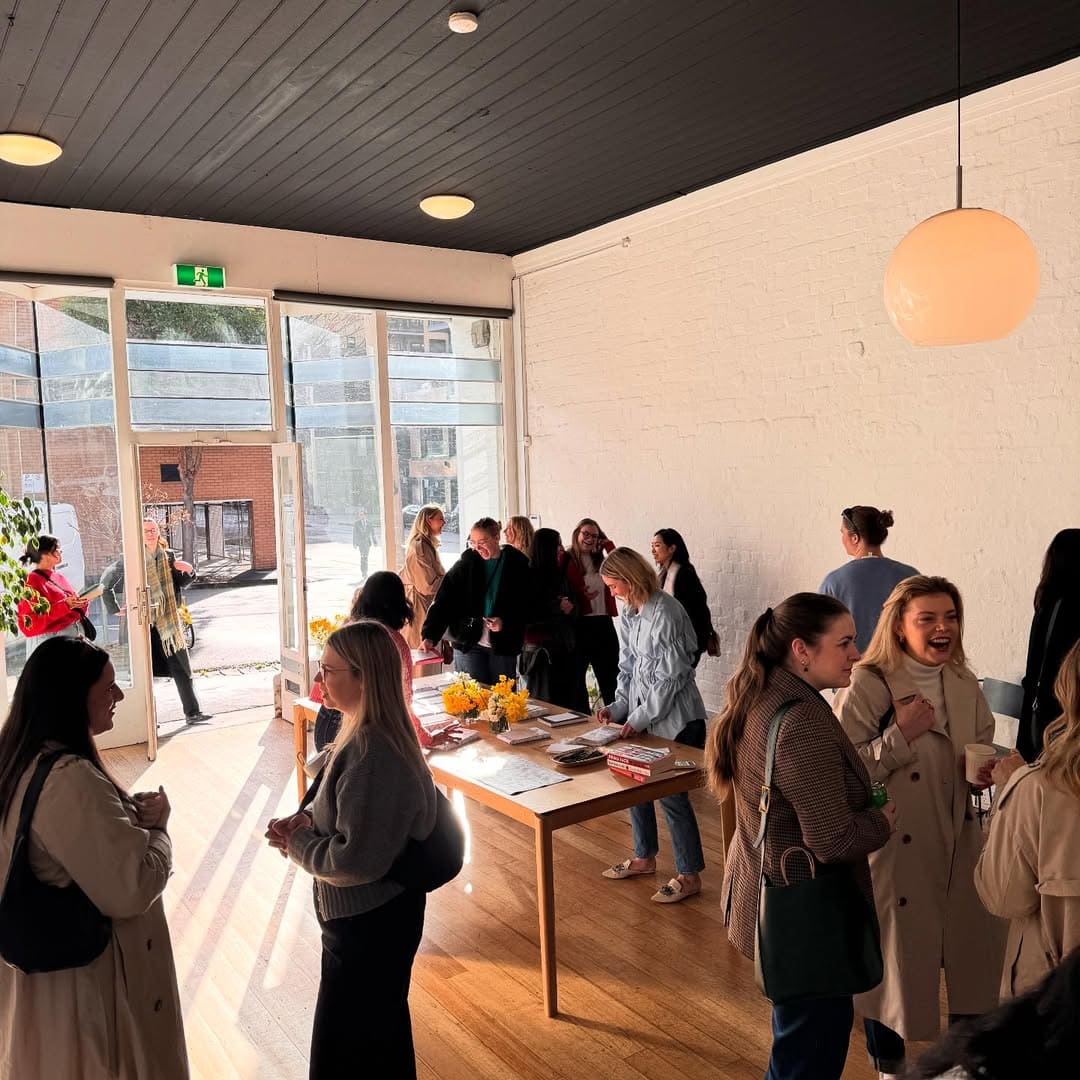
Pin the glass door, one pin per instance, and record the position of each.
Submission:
(292, 588)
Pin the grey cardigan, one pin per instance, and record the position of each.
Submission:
(370, 802)
(657, 692)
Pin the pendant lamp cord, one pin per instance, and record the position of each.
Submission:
(959, 167)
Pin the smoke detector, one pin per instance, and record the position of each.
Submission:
(463, 22)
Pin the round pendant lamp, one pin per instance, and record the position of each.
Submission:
(446, 207)
(19, 149)
(962, 276)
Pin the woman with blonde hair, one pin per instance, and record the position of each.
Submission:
(423, 571)
(519, 533)
(1028, 870)
(375, 794)
(818, 804)
(912, 706)
(656, 694)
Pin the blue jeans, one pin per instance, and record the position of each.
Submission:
(484, 665)
(810, 1039)
(679, 814)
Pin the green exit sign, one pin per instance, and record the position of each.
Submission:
(202, 277)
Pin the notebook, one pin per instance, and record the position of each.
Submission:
(559, 719)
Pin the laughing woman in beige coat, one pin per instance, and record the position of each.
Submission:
(1030, 869)
(117, 1017)
(423, 571)
(912, 706)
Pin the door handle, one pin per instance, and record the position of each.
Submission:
(142, 606)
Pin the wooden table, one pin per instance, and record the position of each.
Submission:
(304, 711)
(591, 792)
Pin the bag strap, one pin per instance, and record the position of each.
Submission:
(312, 791)
(33, 792)
(770, 759)
(1046, 646)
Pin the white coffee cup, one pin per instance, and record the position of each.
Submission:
(976, 755)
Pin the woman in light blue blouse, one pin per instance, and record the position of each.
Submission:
(657, 695)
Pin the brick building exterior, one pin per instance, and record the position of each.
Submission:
(226, 472)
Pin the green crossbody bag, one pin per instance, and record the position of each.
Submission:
(816, 938)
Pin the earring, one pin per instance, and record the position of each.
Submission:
(806, 667)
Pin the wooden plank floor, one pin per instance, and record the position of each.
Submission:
(646, 991)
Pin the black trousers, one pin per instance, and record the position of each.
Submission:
(597, 644)
(178, 668)
(362, 1025)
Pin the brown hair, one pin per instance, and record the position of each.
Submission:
(487, 525)
(575, 545)
(885, 651)
(804, 616)
(1061, 742)
(867, 523)
(626, 565)
(366, 646)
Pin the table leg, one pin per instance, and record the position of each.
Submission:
(727, 823)
(545, 903)
(299, 719)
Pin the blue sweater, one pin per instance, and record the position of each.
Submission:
(864, 586)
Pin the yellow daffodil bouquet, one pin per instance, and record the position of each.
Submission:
(465, 697)
(320, 629)
(506, 705)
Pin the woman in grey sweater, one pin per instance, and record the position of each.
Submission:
(375, 794)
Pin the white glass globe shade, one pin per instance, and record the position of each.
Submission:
(961, 276)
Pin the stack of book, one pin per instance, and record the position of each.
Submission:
(639, 763)
(515, 736)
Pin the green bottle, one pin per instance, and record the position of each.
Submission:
(879, 794)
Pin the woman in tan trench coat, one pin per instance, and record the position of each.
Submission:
(1030, 868)
(118, 1017)
(930, 915)
(423, 571)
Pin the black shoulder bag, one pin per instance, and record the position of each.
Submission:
(45, 927)
(426, 864)
(816, 938)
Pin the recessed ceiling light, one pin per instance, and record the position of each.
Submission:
(27, 149)
(446, 207)
(463, 22)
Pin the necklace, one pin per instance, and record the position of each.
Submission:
(868, 555)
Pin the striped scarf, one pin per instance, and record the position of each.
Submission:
(166, 618)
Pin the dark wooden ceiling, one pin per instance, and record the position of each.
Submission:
(337, 116)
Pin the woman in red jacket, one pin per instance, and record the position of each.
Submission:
(66, 608)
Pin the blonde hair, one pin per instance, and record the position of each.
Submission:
(885, 652)
(367, 648)
(626, 565)
(1061, 742)
(523, 532)
(421, 525)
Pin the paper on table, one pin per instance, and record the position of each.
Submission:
(562, 747)
(516, 775)
(426, 656)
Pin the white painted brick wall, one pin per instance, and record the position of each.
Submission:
(732, 373)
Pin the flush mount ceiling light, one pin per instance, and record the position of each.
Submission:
(446, 207)
(964, 275)
(20, 149)
(463, 22)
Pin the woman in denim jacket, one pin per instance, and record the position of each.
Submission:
(657, 695)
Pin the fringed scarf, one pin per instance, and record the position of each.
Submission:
(166, 618)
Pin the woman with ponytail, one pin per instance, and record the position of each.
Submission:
(820, 799)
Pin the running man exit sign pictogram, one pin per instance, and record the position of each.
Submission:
(201, 277)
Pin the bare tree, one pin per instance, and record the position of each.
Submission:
(190, 463)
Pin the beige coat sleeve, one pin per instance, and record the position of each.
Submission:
(422, 570)
(1007, 875)
(82, 825)
(859, 709)
(984, 720)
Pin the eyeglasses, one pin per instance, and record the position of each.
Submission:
(324, 670)
(589, 535)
